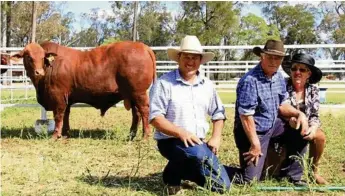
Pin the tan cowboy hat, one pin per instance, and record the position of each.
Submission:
(272, 47)
(190, 44)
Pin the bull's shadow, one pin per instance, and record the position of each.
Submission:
(29, 133)
(151, 183)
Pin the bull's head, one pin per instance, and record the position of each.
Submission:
(35, 60)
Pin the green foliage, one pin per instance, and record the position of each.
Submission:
(48, 22)
(209, 21)
(333, 25)
(296, 24)
(254, 30)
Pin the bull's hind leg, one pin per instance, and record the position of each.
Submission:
(135, 121)
(142, 103)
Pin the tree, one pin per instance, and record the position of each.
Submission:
(48, 22)
(97, 31)
(153, 24)
(6, 10)
(209, 21)
(253, 30)
(296, 24)
(332, 27)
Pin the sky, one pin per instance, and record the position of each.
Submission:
(78, 7)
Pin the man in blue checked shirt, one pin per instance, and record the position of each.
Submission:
(261, 94)
(179, 104)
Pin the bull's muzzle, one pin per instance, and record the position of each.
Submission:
(39, 72)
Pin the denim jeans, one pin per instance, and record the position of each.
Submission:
(295, 146)
(194, 163)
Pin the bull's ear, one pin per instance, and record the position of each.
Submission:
(17, 57)
(49, 58)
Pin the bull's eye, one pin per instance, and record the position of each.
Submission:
(28, 57)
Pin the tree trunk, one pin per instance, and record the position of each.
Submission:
(34, 13)
(134, 31)
(3, 26)
(8, 23)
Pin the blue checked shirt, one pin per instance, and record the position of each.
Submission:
(260, 97)
(185, 105)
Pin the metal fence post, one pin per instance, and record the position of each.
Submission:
(43, 114)
(208, 70)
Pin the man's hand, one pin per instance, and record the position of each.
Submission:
(293, 122)
(253, 154)
(188, 138)
(214, 144)
(302, 120)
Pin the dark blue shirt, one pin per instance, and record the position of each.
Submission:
(260, 97)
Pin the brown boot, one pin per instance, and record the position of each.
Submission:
(173, 190)
(316, 148)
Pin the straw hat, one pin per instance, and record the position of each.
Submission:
(190, 44)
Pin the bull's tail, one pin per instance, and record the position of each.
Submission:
(153, 57)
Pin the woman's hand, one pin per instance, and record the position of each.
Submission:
(310, 135)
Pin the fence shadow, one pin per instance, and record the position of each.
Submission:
(151, 183)
(29, 133)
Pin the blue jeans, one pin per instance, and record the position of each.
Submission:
(193, 163)
(296, 146)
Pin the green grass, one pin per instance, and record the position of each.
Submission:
(98, 159)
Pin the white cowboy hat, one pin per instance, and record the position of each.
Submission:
(190, 44)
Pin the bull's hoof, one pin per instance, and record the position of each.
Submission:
(146, 136)
(66, 135)
(56, 136)
(131, 137)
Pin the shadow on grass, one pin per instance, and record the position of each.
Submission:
(151, 183)
(29, 133)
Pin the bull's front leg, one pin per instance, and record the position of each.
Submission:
(58, 118)
(66, 127)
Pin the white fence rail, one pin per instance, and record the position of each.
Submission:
(236, 69)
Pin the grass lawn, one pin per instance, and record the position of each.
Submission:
(98, 159)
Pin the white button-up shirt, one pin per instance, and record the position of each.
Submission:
(185, 105)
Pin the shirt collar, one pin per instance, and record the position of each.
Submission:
(199, 80)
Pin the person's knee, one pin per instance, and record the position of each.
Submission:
(200, 153)
(320, 137)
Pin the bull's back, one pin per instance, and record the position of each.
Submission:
(125, 66)
(135, 66)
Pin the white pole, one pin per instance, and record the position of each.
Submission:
(43, 114)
